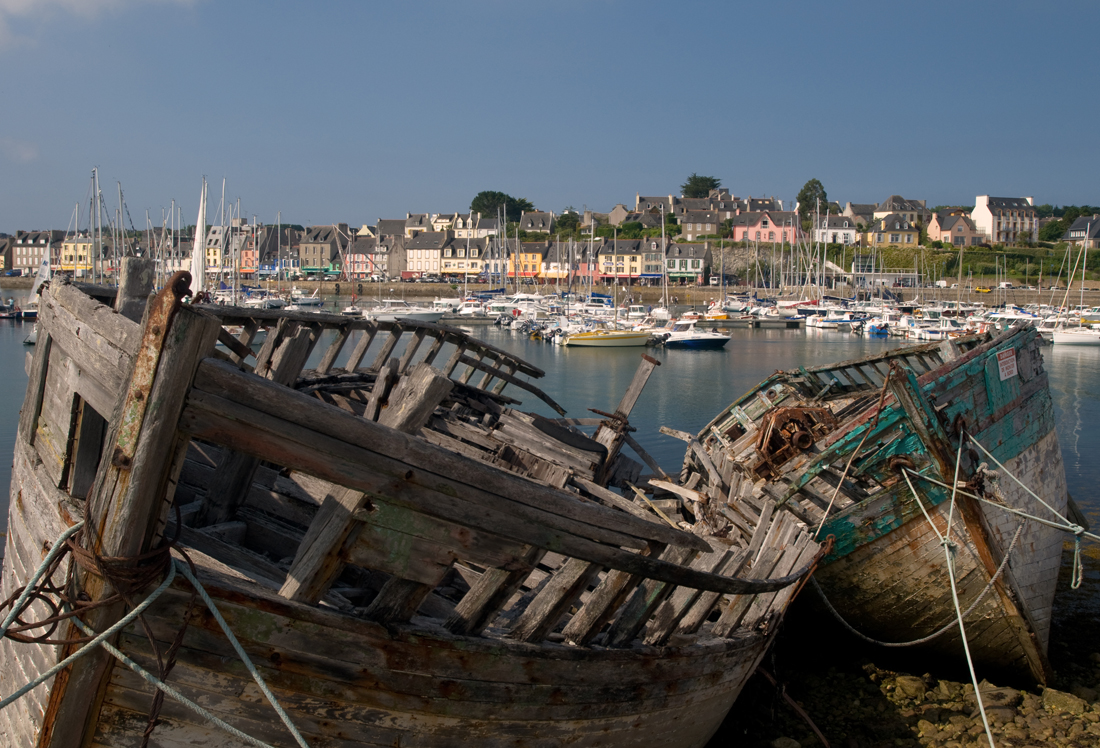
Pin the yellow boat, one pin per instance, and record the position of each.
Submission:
(607, 338)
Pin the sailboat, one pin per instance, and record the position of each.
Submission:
(1082, 334)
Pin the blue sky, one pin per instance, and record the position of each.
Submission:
(351, 111)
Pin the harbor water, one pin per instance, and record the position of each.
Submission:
(687, 390)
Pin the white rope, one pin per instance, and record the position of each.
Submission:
(58, 546)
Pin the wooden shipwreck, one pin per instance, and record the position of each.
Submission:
(857, 447)
(405, 557)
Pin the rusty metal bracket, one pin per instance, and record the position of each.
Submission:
(621, 423)
(161, 313)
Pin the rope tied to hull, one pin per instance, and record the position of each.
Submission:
(39, 586)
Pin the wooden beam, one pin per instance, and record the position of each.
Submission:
(129, 500)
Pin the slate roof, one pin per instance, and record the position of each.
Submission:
(897, 203)
(836, 222)
(887, 223)
(1015, 203)
(537, 221)
(621, 247)
(1091, 224)
(428, 240)
(948, 222)
(391, 226)
(687, 251)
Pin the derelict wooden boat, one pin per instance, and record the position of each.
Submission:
(902, 414)
(404, 557)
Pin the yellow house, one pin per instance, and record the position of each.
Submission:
(76, 256)
(895, 230)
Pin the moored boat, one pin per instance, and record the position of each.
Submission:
(387, 551)
(682, 334)
(868, 451)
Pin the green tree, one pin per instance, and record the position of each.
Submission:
(1053, 231)
(697, 186)
(567, 223)
(487, 202)
(812, 193)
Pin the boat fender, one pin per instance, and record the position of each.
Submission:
(359, 287)
(337, 289)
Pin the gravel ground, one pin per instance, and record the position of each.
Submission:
(865, 697)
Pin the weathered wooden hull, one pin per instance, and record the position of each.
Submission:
(401, 570)
(887, 574)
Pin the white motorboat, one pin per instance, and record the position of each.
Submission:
(390, 310)
(683, 334)
(1082, 335)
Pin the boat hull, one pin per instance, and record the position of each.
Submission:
(698, 344)
(887, 573)
(607, 340)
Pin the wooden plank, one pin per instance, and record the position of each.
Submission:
(489, 592)
(398, 600)
(302, 433)
(135, 286)
(129, 501)
(320, 556)
(381, 390)
(36, 388)
(328, 360)
(669, 616)
(510, 379)
(388, 347)
(646, 598)
(410, 351)
(360, 348)
(554, 600)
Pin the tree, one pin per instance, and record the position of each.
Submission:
(487, 202)
(1053, 231)
(811, 194)
(697, 186)
(567, 223)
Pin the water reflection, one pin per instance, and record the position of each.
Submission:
(1075, 388)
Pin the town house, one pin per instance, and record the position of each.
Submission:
(696, 223)
(1085, 230)
(894, 229)
(320, 248)
(424, 253)
(465, 256)
(688, 263)
(537, 222)
(768, 226)
(953, 229)
(621, 261)
(1006, 220)
(835, 230)
(29, 247)
(913, 211)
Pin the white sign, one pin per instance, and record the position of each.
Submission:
(1006, 361)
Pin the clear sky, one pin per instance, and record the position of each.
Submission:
(351, 111)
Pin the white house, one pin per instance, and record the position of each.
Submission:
(1006, 219)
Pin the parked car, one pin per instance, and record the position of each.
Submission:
(14, 272)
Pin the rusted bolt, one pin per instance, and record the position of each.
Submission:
(409, 475)
(156, 329)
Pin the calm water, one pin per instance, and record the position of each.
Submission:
(687, 389)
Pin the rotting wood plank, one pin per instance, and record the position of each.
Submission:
(328, 360)
(128, 502)
(554, 600)
(303, 433)
(646, 599)
(361, 347)
(388, 347)
(669, 616)
(489, 592)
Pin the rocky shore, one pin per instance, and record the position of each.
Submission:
(864, 697)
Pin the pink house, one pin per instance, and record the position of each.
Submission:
(766, 226)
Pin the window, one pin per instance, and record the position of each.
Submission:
(447, 252)
(771, 236)
(895, 238)
(473, 253)
(757, 236)
(696, 264)
(784, 236)
(672, 264)
(764, 223)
